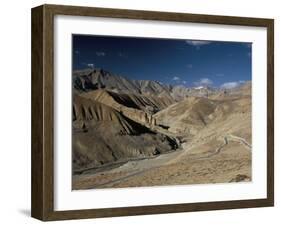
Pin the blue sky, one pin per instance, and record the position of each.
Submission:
(170, 61)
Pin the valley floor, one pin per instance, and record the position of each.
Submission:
(218, 160)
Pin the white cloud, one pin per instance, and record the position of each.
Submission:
(204, 82)
(230, 85)
(91, 65)
(184, 82)
(176, 78)
(197, 43)
(100, 54)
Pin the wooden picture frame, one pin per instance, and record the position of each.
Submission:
(43, 120)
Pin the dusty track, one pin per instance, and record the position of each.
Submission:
(241, 140)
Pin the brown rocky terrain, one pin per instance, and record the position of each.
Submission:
(143, 133)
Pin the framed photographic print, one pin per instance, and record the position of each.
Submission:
(141, 112)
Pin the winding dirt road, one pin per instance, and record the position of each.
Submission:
(140, 166)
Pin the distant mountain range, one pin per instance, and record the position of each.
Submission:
(92, 79)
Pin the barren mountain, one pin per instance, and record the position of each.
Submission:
(146, 103)
(101, 135)
(92, 79)
(179, 92)
(244, 89)
(142, 133)
(192, 114)
(187, 116)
